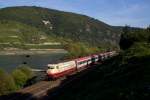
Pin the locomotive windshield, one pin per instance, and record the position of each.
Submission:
(51, 67)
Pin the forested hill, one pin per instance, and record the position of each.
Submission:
(63, 24)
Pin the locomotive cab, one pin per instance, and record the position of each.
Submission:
(52, 69)
(58, 70)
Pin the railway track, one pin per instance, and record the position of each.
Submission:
(35, 91)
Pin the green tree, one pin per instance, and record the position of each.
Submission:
(148, 28)
(125, 40)
(148, 31)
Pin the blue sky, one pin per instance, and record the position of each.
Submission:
(114, 12)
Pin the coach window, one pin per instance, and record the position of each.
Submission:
(80, 63)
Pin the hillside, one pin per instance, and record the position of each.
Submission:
(64, 24)
(12, 31)
(18, 35)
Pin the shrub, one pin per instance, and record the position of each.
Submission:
(138, 50)
(80, 49)
(7, 84)
(26, 70)
(130, 37)
(19, 77)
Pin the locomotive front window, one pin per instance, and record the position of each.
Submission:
(51, 67)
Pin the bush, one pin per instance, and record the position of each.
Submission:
(139, 50)
(19, 77)
(26, 70)
(80, 49)
(7, 84)
(130, 37)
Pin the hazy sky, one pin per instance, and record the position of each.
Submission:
(114, 12)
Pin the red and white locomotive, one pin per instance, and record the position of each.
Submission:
(61, 69)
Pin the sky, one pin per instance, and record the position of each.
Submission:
(135, 13)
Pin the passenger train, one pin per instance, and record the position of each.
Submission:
(66, 68)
